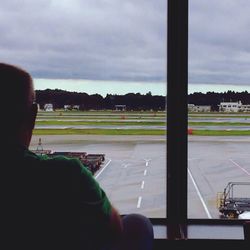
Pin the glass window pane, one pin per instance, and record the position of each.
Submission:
(99, 68)
(218, 141)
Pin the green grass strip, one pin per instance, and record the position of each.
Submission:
(136, 132)
(221, 132)
(219, 123)
(141, 123)
(99, 132)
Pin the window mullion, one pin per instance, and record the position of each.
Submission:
(177, 85)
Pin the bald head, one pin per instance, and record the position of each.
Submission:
(16, 98)
(16, 88)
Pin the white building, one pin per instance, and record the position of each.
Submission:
(191, 107)
(71, 107)
(245, 108)
(199, 108)
(120, 107)
(67, 107)
(76, 107)
(48, 107)
(230, 106)
(202, 108)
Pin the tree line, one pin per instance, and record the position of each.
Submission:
(133, 101)
(214, 99)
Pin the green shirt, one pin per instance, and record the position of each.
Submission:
(56, 198)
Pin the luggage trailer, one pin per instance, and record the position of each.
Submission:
(234, 200)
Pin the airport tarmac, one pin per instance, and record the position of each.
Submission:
(134, 172)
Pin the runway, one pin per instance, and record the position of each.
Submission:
(134, 172)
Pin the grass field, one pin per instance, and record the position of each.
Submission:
(135, 123)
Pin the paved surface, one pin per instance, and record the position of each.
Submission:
(134, 173)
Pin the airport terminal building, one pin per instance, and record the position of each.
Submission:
(234, 107)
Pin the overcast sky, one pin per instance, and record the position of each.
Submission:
(124, 40)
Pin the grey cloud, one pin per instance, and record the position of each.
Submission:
(124, 40)
(86, 39)
(218, 41)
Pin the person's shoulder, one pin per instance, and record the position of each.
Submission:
(58, 161)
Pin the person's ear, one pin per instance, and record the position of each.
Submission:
(33, 115)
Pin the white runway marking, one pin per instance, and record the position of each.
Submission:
(236, 164)
(102, 169)
(142, 185)
(139, 202)
(199, 194)
(147, 161)
(145, 172)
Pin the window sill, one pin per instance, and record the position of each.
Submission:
(205, 229)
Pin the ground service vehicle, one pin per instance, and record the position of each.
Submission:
(234, 200)
(91, 161)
